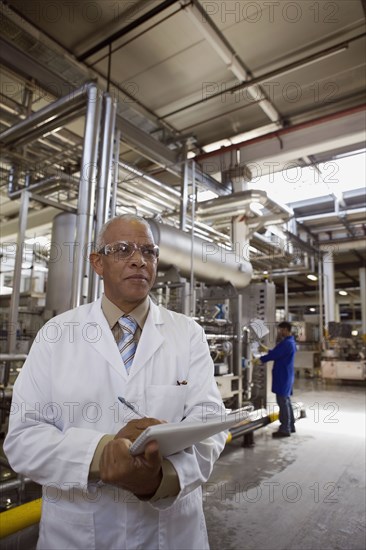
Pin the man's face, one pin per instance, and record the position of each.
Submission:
(126, 281)
(283, 332)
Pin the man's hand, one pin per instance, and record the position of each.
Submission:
(140, 474)
(256, 362)
(134, 428)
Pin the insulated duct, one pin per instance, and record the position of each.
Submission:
(211, 262)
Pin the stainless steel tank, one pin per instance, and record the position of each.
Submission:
(60, 267)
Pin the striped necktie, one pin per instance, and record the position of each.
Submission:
(127, 346)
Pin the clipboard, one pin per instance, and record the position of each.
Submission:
(175, 437)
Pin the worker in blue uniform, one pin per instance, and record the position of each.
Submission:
(283, 376)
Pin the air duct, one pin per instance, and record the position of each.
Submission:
(211, 262)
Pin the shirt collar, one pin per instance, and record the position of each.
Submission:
(112, 312)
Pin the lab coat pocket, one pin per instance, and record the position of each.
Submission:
(166, 402)
(66, 529)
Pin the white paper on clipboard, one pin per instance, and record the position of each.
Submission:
(175, 437)
(259, 328)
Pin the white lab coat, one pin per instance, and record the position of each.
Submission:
(65, 400)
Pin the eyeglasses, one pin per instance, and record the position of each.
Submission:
(122, 250)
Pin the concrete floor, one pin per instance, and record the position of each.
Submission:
(304, 492)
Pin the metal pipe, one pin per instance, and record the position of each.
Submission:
(36, 186)
(14, 300)
(151, 179)
(184, 196)
(36, 124)
(192, 280)
(231, 204)
(13, 356)
(212, 263)
(86, 191)
(117, 139)
(104, 180)
(286, 295)
(320, 287)
(11, 484)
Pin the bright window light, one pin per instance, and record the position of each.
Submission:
(206, 195)
(297, 183)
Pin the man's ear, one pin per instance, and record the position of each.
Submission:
(96, 262)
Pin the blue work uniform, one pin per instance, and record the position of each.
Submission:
(283, 376)
(283, 372)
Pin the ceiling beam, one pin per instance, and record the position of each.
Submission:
(276, 151)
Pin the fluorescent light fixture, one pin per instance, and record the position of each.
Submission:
(312, 277)
(354, 333)
(265, 272)
(216, 145)
(312, 309)
(191, 155)
(257, 132)
(343, 293)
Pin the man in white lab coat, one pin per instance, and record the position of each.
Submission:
(68, 431)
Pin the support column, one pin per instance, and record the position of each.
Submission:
(362, 274)
(329, 299)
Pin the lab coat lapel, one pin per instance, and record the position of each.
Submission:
(106, 344)
(150, 341)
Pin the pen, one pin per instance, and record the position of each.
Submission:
(131, 407)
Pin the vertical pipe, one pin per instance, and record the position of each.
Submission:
(104, 178)
(184, 193)
(238, 341)
(109, 165)
(91, 199)
(329, 298)
(14, 300)
(193, 294)
(115, 173)
(320, 286)
(87, 182)
(285, 281)
(362, 275)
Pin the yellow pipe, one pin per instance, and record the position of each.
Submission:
(20, 517)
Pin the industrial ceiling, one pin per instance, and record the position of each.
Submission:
(271, 82)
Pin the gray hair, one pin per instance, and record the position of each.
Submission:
(100, 241)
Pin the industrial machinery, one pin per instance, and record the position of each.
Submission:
(343, 355)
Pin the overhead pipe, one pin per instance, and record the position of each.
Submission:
(212, 263)
(37, 123)
(43, 184)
